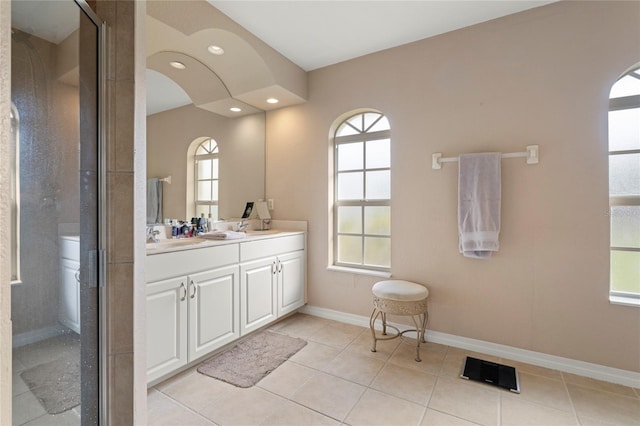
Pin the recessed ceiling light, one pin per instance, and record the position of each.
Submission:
(235, 109)
(177, 65)
(215, 50)
(272, 101)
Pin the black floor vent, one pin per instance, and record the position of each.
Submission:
(489, 372)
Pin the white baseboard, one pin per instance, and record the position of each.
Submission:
(34, 336)
(567, 365)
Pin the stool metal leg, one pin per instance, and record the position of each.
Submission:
(384, 323)
(372, 322)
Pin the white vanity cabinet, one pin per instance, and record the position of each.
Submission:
(272, 279)
(192, 305)
(69, 282)
(166, 326)
(204, 297)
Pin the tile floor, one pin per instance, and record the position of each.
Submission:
(27, 410)
(336, 380)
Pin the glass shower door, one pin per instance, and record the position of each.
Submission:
(55, 302)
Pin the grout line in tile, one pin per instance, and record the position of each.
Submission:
(178, 402)
(573, 408)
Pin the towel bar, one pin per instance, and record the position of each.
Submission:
(531, 154)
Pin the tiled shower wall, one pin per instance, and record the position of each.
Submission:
(126, 174)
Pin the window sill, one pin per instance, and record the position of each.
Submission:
(359, 271)
(624, 301)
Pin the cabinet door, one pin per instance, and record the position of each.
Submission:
(69, 297)
(258, 296)
(290, 282)
(166, 326)
(213, 310)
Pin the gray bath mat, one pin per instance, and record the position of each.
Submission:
(56, 384)
(249, 361)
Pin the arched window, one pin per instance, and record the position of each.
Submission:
(362, 193)
(206, 178)
(624, 187)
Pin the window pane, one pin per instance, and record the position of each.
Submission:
(382, 124)
(378, 154)
(624, 174)
(625, 271)
(204, 169)
(214, 168)
(201, 150)
(625, 226)
(350, 156)
(350, 186)
(204, 190)
(356, 121)
(624, 129)
(350, 219)
(369, 119)
(214, 212)
(378, 185)
(377, 220)
(214, 190)
(349, 249)
(377, 251)
(626, 86)
(346, 130)
(202, 209)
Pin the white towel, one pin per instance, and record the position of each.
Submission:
(222, 235)
(479, 196)
(154, 201)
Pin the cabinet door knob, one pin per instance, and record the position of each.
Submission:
(195, 289)
(77, 275)
(184, 296)
(274, 268)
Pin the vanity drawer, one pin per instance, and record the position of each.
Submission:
(185, 262)
(270, 247)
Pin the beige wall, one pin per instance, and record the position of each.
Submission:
(241, 144)
(539, 77)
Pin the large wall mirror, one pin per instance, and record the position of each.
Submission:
(193, 181)
(205, 147)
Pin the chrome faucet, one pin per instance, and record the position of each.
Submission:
(152, 234)
(243, 225)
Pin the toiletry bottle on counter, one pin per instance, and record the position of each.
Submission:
(202, 223)
(209, 223)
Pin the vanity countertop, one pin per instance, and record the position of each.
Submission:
(172, 245)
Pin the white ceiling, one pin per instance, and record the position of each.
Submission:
(311, 33)
(52, 20)
(314, 34)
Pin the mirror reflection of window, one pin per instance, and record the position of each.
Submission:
(624, 185)
(15, 195)
(207, 179)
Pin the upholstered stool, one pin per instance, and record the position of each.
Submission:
(398, 297)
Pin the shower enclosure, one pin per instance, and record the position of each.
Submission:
(56, 198)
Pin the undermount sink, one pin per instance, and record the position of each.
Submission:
(261, 232)
(165, 244)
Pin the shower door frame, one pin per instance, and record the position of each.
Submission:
(99, 256)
